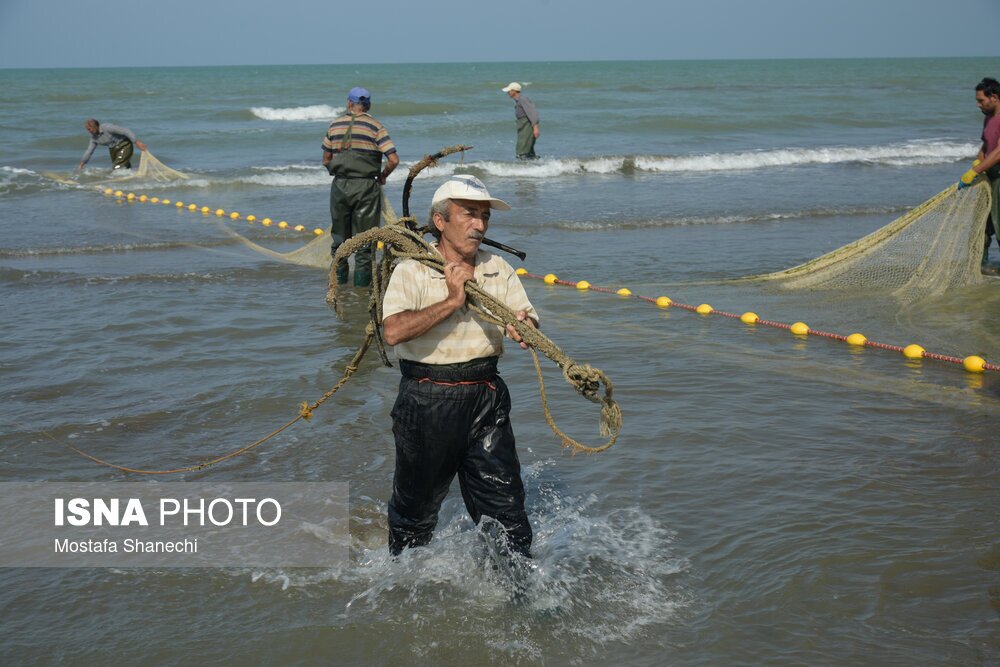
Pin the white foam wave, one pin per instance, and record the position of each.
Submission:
(317, 176)
(544, 168)
(15, 170)
(305, 175)
(908, 154)
(892, 155)
(313, 112)
(285, 167)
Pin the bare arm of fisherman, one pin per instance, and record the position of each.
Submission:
(410, 324)
(391, 162)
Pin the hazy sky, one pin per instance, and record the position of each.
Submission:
(104, 33)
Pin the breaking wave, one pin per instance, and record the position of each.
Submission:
(314, 112)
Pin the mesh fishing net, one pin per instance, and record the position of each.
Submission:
(151, 169)
(934, 248)
(316, 253)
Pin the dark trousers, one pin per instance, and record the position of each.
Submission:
(990, 233)
(121, 155)
(525, 139)
(461, 429)
(994, 217)
(355, 207)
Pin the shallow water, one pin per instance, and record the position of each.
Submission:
(772, 499)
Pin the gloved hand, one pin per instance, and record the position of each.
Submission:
(967, 179)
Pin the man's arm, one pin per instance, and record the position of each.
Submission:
(391, 162)
(987, 161)
(532, 113)
(410, 324)
(982, 164)
(86, 154)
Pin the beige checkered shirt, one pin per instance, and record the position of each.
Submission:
(462, 336)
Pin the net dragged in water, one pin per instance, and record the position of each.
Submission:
(314, 254)
(930, 250)
(151, 169)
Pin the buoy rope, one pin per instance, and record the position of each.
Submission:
(132, 197)
(971, 363)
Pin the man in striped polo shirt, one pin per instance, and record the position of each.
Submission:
(352, 152)
(452, 412)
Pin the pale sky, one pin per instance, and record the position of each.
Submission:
(82, 33)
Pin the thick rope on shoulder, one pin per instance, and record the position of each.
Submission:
(401, 242)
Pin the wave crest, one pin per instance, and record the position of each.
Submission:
(306, 113)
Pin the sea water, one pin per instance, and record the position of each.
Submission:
(771, 500)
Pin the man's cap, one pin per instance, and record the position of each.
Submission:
(513, 85)
(359, 94)
(466, 186)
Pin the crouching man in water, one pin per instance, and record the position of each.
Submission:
(452, 412)
(119, 141)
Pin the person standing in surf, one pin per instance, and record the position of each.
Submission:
(526, 117)
(353, 148)
(119, 141)
(988, 160)
(452, 412)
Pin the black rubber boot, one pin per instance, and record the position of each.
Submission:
(342, 270)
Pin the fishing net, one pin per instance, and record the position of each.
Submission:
(151, 169)
(316, 253)
(934, 248)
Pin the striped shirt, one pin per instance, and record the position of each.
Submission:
(367, 134)
(462, 336)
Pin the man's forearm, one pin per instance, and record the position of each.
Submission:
(391, 162)
(410, 324)
(989, 161)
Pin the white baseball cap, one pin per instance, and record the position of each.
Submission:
(467, 186)
(513, 85)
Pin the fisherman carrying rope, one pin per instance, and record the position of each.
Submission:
(352, 152)
(452, 412)
(119, 141)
